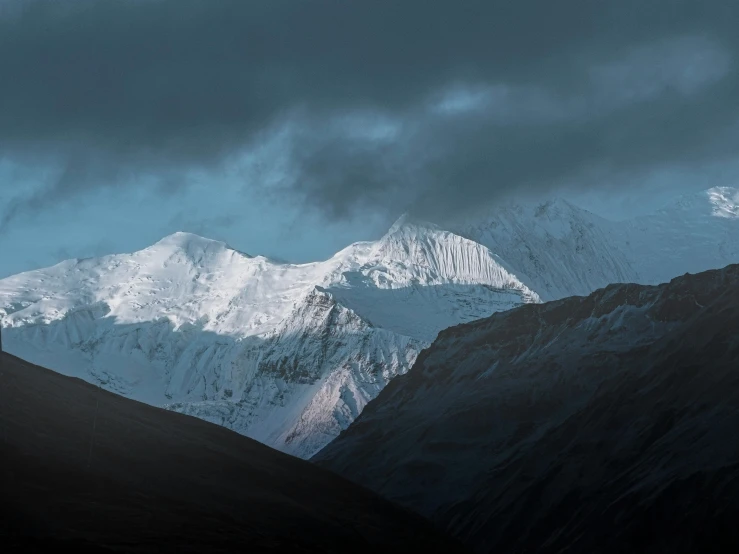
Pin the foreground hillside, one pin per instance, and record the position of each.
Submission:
(605, 423)
(80, 463)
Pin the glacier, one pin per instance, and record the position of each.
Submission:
(289, 354)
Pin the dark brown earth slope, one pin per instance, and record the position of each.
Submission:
(80, 463)
(606, 423)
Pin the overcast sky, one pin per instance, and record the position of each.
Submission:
(291, 128)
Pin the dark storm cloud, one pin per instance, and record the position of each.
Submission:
(538, 93)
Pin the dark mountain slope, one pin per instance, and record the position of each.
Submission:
(149, 480)
(606, 423)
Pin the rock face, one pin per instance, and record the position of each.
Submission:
(604, 423)
(290, 354)
(92, 471)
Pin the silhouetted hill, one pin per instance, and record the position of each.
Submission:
(84, 468)
(605, 423)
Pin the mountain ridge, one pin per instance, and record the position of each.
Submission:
(588, 424)
(190, 324)
(194, 325)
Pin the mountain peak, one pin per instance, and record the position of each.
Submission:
(399, 223)
(184, 239)
(556, 204)
(190, 243)
(407, 222)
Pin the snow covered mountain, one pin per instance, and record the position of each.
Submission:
(560, 250)
(287, 354)
(604, 423)
(557, 248)
(693, 234)
(290, 354)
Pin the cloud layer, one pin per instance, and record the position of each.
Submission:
(433, 106)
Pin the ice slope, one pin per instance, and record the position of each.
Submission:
(286, 354)
(436, 275)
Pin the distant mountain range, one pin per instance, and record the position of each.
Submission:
(560, 250)
(291, 354)
(604, 423)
